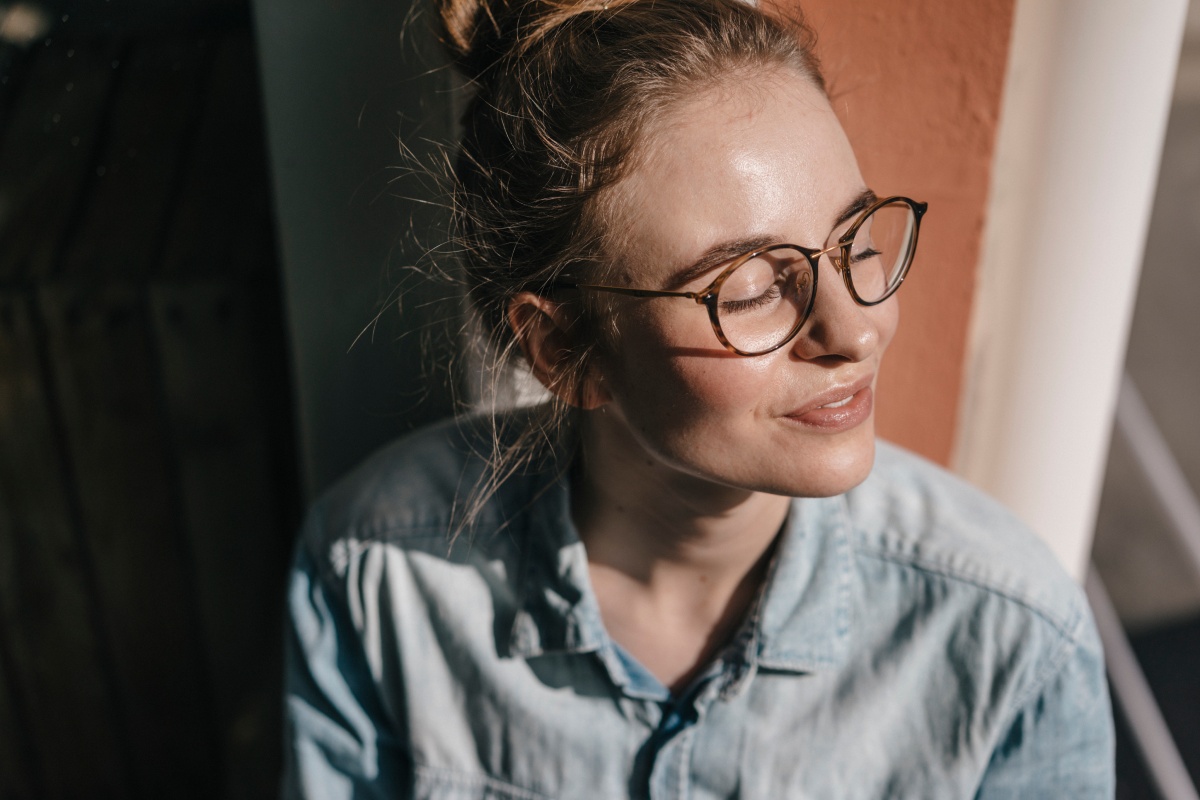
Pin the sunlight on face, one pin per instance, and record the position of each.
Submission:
(760, 159)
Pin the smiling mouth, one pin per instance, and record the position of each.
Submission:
(838, 413)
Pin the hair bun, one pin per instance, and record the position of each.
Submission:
(478, 33)
(471, 31)
(460, 21)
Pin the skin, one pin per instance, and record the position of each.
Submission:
(690, 453)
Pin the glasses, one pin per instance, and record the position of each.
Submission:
(763, 298)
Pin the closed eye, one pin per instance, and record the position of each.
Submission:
(869, 253)
(749, 304)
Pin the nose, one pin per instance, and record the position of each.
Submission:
(839, 329)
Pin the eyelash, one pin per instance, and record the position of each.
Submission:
(736, 306)
(858, 258)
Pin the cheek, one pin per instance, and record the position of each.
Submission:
(716, 391)
(887, 320)
(679, 395)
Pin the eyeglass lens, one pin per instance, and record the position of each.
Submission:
(880, 251)
(763, 302)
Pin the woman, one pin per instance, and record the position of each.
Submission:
(693, 573)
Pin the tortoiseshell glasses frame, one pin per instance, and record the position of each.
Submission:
(840, 255)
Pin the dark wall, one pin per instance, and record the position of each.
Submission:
(148, 489)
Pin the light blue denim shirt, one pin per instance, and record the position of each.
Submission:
(912, 640)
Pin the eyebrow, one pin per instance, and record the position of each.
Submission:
(717, 255)
(724, 251)
(856, 206)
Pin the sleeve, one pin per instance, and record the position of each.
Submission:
(340, 744)
(1060, 743)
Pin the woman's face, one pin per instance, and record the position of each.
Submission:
(760, 159)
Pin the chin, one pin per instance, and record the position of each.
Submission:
(833, 469)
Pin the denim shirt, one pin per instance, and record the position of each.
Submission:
(911, 640)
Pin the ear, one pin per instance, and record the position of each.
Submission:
(544, 330)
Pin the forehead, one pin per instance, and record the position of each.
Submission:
(756, 156)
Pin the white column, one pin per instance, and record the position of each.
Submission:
(1085, 108)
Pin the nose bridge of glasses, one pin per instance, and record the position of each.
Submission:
(833, 252)
(839, 259)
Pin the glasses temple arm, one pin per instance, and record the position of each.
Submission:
(629, 291)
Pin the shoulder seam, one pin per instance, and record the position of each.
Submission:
(1067, 628)
(1053, 663)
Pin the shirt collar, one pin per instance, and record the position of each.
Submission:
(806, 613)
(558, 611)
(803, 618)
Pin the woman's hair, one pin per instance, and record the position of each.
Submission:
(563, 93)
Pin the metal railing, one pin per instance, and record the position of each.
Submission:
(1131, 690)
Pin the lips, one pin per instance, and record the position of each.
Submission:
(837, 409)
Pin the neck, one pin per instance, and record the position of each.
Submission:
(659, 526)
(675, 561)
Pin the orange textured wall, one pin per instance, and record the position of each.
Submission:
(917, 86)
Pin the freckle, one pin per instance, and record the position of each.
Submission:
(704, 579)
(649, 462)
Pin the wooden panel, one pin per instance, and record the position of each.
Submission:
(109, 400)
(17, 781)
(14, 64)
(47, 149)
(223, 213)
(45, 584)
(214, 375)
(149, 129)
